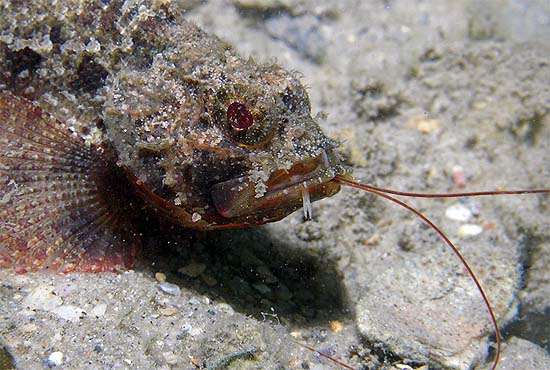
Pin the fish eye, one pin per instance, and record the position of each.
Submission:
(239, 117)
(248, 124)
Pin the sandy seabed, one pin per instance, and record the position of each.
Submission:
(415, 91)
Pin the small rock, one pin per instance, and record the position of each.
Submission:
(170, 288)
(521, 354)
(191, 330)
(193, 301)
(262, 288)
(403, 367)
(317, 367)
(424, 125)
(99, 310)
(224, 307)
(459, 178)
(55, 359)
(160, 276)
(336, 326)
(64, 289)
(28, 328)
(209, 280)
(69, 312)
(469, 230)
(458, 212)
(168, 311)
(43, 298)
(266, 275)
(283, 292)
(170, 357)
(193, 269)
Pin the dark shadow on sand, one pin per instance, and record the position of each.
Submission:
(251, 272)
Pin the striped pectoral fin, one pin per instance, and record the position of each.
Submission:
(63, 207)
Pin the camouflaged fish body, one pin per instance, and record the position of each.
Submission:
(100, 102)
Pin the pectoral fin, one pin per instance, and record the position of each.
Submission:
(63, 206)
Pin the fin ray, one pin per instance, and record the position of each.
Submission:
(58, 198)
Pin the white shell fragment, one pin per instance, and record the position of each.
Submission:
(99, 310)
(55, 359)
(196, 217)
(170, 288)
(458, 212)
(469, 230)
(69, 312)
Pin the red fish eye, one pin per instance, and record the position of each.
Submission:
(239, 117)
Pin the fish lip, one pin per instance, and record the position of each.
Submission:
(237, 198)
(304, 173)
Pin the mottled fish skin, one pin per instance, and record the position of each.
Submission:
(206, 138)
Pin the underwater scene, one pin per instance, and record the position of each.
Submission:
(275, 184)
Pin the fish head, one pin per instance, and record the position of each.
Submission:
(285, 156)
(230, 143)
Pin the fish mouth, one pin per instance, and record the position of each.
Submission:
(285, 191)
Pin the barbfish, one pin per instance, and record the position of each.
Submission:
(107, 110)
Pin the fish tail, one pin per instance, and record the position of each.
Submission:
(63, 206)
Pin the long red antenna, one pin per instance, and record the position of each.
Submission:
(384, 193)
(337, 362)
(368, 188)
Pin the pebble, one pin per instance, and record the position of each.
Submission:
(193, 301)
(191, 330)
(459, 178)
(69, 312)
(170, 288)
(193, 269)
(336, 326)
(55, 359)
(224, 307)
(458, 212)
(209, 280)
(266, 274)
(28, 328)
(168, 311)
(99, 310)
(43, 298)
(262, 288)
(469, 230)
(403, 367)
(160, 277)
(424, 125)
(170, 357)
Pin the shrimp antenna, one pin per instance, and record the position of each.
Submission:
(384, 193)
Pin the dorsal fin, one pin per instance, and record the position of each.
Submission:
(62, 204)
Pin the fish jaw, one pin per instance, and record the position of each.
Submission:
(238, 198)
